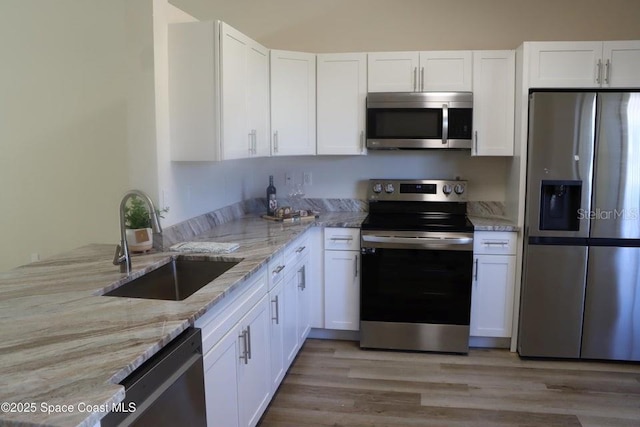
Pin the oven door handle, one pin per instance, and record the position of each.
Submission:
(457, 243)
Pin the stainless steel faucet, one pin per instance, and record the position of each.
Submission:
(123, 256)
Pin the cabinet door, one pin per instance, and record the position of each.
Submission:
(236, 141)
(293, 103)
(393, 71)
(622, 64)
(276, 334)
(342, 93)
(220, 381)
(194, 92)
(492, 295)
(258, 119)
(445, 71)
(342, 290)
(303, 323)
(290, 319)
(254, 373)
(493, 102)
(565, 64)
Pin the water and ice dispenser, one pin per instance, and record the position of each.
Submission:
(560, 205)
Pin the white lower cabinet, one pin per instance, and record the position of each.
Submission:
(237, 367)
(276, 333)
(251, 337)
(493, 284)
(342, 279)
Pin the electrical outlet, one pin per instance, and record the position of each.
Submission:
(35, 256)
(306, 178)
(288, 178)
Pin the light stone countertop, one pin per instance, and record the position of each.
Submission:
(62, 343)
(493, 224)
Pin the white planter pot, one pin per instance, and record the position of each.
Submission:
(139, 239)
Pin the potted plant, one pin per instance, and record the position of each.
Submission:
(139, 233)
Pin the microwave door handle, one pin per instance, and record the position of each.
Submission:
(445, 123)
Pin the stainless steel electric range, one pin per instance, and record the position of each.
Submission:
(417, 261)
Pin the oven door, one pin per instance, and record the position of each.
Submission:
(416, 290)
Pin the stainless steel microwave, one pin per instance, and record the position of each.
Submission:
(419, 120)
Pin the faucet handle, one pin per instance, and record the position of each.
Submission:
(117, 258)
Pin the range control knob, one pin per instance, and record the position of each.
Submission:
(377, 188)
(459, 189)
(446, 189)
(389, 188)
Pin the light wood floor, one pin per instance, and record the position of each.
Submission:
(334, 383)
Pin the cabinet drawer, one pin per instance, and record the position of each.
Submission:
(217, 322)
(296, 251)
(276, 269)
(342, 239)
(494, 242)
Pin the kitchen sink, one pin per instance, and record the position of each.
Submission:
(174, 281)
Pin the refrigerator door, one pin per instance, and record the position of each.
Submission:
(552, 301)
(561, 144)
(616, 196)
(612, 306)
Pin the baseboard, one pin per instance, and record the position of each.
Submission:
(489, 342)
(333, 334)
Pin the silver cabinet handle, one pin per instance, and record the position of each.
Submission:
(249, 342)
(277, 318)
(254, 138)
(301, 279)
(445, 123)
(415, 78)
(245, 354)
(361, 141)
(347, 239)
(503, 244)
(300, 249)
(278, 269)
(275, 142)
(251, 143)
(355, 267)
(599, 72)
(475, 142)
(422, 79)
(475, 276)
(607, 68)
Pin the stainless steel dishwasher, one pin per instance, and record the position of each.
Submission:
(168, 389)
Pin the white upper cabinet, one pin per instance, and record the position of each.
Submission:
(218, 93)
(244, 91)
(445, 71)
(393, 71)
(420, 71)
(584, 64)
(622, 64)
(342, 92)
(293, 103)
(194, 92)
(493, 102)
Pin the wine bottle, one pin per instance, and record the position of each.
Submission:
(272, 203)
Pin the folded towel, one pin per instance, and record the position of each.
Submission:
(208, 247)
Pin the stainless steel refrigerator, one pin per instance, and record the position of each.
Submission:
(581, 279)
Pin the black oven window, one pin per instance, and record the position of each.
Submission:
(406, 123)
(416, 286)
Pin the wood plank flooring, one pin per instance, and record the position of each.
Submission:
(334, 383)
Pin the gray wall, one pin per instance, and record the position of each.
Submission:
(377, 25)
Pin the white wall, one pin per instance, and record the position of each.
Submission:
(63, 125)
